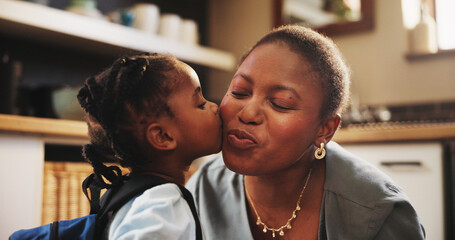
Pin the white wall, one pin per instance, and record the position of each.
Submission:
(381, 73)
(234, 26)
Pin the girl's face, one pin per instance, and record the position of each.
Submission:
(270, 112)
(198, 120)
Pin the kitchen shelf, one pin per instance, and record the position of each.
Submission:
(59, 27)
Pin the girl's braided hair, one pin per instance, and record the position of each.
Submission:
(119, 103)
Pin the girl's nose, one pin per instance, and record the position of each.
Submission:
(251, 113)
(213, 107)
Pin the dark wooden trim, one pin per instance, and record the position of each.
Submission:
(277, 13)
(367, 22)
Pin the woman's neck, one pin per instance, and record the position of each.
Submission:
(274, 199)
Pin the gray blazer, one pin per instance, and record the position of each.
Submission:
(359, 202)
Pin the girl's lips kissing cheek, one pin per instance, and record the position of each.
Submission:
(241, 139)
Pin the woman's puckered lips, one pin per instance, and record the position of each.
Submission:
(241, 139)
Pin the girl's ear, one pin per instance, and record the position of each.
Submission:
(160, 137)
(327, 129)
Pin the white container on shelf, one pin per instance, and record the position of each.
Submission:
(423, 37)
(170, 25)
(146, 17)
(189, 32)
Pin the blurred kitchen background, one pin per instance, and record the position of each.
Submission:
(401, 116)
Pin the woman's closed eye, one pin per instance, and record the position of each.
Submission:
(280, 105)
(239, 95)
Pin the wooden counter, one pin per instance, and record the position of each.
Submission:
(368, 133)
(43, 126)
(394, 132)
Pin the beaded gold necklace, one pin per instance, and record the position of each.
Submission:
(287, 226)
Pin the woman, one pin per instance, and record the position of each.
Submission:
(283, 177)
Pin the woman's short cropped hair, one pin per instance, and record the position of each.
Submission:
(326, 61)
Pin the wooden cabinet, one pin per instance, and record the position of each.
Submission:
(22, 151)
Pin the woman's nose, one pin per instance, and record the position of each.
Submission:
(251, 113)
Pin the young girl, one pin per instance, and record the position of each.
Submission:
(147, 112)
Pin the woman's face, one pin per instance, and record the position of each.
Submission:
(270, 112)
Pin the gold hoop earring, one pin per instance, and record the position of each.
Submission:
(320, 152)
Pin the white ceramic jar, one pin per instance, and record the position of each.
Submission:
(189, 32)
(146, 17)
(170, 26)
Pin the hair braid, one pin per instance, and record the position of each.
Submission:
(93, 98)
(83, 97)
(88, 96)
(129, 79)
(107, 101)
(111, 173)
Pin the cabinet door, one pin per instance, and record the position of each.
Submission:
(417, 168)
(21, 181)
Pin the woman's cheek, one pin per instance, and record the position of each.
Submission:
(227, 107)
(286, 127)
(224, 101)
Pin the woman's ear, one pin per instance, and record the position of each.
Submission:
(327, 129)
(160, 137)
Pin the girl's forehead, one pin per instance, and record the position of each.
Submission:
(187, 77)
